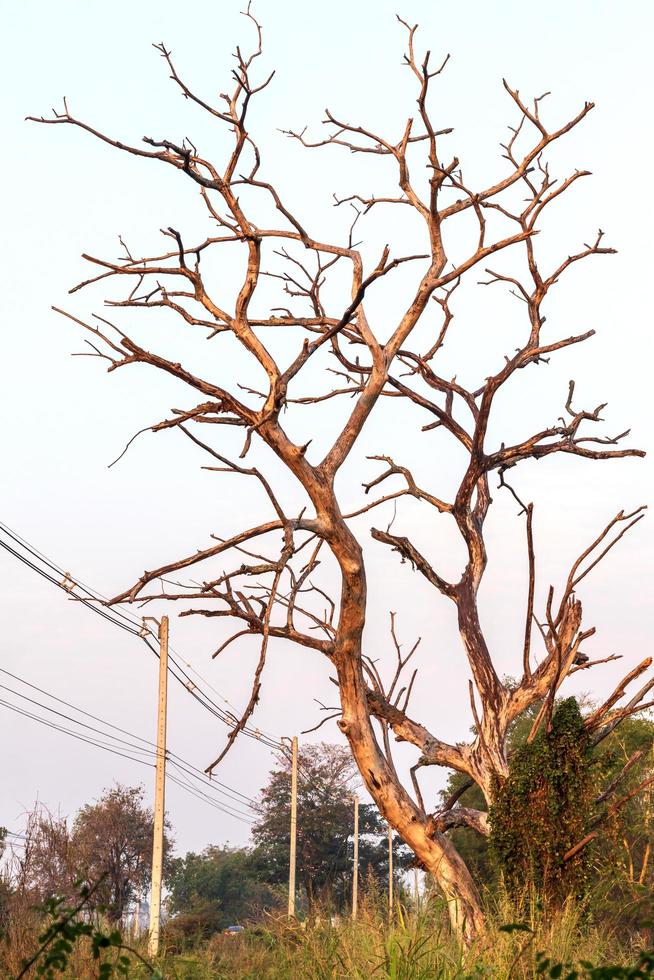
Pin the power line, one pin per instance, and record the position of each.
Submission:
(82, 738)
(129, 617)
(131, 624)
(96, 743)
(205, 799)
(54, 581)
(68, 704)
(201, 777)
(98, 731)
(183, 777)
(192, 770)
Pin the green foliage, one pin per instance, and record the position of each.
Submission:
(620, 872)
(624, 862)
(418, 945)
(541, 810)
(472, 847)
(110, 841)
(66, 928)
(212, 890)
(585, 970)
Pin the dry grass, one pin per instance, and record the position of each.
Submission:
(417, 946)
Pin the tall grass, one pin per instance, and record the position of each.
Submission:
(416, 945)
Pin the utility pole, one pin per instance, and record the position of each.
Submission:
(390, 873)
(355, 861)
(159, 792)
(293, 858)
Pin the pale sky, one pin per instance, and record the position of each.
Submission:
(65, 420)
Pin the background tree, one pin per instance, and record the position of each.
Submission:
(111, 837)
(326, 777)
(5, 887)
(45, 867)
(282, 342)
(622, 856)
(222, 886)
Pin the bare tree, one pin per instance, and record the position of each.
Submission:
(109, 843)
(274, 589)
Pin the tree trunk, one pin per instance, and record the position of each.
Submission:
(454, 880)
(433, 849)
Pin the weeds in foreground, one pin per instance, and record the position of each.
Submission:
(417, 945)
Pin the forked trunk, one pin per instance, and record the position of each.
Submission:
(432, 848)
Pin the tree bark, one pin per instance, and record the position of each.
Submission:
(432, 848)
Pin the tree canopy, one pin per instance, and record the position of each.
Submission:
(108, 843)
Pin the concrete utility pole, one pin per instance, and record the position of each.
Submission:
(355, 861)
(390, 873)
(159, 792)
(137, 919)
(293, 854)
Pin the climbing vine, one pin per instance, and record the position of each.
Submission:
(541, 809)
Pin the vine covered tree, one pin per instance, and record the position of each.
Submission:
(277, 587)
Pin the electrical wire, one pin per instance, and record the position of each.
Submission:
(81, 738)
(219, 787)
(103, 721)
(205, 799)
(130, 623)
(68, 704)
(96, 743)
(60, 714)
(135, 626)
(129, 617)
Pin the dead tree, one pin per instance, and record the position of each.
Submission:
(273, 590)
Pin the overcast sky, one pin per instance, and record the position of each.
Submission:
(65, 419)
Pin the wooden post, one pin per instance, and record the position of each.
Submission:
(293, 849)
(355, 861)
(159, 792)
(390, 873)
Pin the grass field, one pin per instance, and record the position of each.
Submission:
(417, 945)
